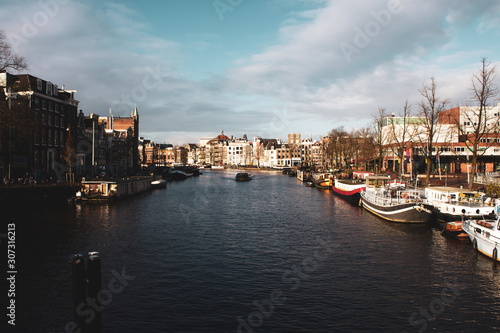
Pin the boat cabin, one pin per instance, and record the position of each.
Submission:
(114, 188)
(455, 195)
(377, 181)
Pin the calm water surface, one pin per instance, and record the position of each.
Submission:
(210, 254)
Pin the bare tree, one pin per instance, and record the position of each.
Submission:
(430, 108)
(484, 126)
(9, 59)
(399, 134)
(337, 147)
(366, 138)
(379, 139)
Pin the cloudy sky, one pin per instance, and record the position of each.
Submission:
(256, 67)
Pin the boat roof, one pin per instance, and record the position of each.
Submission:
(378, 177)
(448, 189)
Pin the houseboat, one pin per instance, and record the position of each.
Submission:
(113, 189)
(349, 189)
(394, 204)
(303, 175)
(484, 235)
(455, 204)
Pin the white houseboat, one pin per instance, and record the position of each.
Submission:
(455, 204)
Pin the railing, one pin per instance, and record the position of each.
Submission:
(488, 178)
(377, 199)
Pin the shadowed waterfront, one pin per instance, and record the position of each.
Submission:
(210, 254)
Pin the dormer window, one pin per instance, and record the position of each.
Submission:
(48, 91)
(39, 84)
(56, 90)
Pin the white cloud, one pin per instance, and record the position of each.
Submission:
(304, 83)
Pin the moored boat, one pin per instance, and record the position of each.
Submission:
(484, 235)
(243, 176)
(322, 180)
(178, 174)
(454, 229)
(159, 183)
(455, 204)
(113, 189)
(403, 206)
(349, 189)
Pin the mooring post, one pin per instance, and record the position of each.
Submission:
(94, 287)
(78, 283)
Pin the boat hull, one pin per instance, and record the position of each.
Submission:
(352, 194)
(401, 213)
(485, 239)
(448, 215)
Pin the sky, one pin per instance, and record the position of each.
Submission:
(256, 67)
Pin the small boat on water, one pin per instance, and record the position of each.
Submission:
(159, 183)
(454, 229)
(396, 205)
(102, 191)
(243, 176)
(349, 189)
(454, 204)
(484, 235)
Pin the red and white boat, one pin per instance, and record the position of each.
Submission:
(349, 189)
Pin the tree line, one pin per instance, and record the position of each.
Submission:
(423, 127)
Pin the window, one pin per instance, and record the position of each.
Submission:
(44, 119)
(37, 103)
(57, 108)
(51, 120)
(51, 106)
(48, 91)
(39, 84)
(44, 104)
(55, 90)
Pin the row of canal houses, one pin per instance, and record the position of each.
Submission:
(44, 135)
(230, 151)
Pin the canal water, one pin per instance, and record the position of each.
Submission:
(210, 254)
